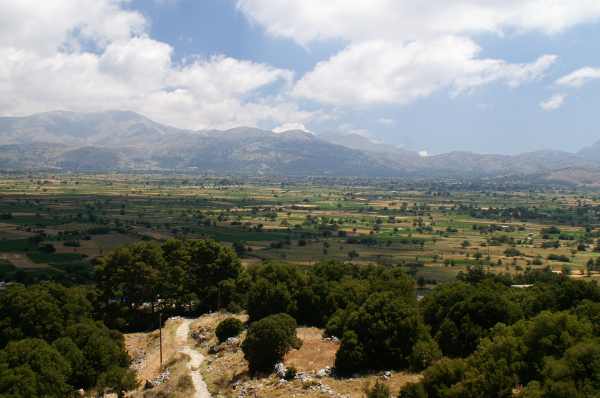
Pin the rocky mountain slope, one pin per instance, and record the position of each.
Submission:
(120, 140)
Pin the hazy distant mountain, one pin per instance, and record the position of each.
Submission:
(118, 140)
(113, 128)
(126, 140)
(460, 163)
(591, 153)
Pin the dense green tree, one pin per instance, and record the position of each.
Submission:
(386, 329)
(40, 311)
(266, 298)
(229, 327)
(53, 339)
(461, 314)
(174, 274)
(210, 264)
(351, 356)
(268, 340)
(552, 355)
(32, 368)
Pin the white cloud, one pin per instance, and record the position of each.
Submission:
(290, 126)
(45, 26)
(554, 102)
(403, 20)
(90, 55)
(423, 153)
(379, 71)
(397, 51)
(580, 77)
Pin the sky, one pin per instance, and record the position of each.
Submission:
(490, 76)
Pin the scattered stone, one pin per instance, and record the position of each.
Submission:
(280, 370)
(325, 372)
(161, 378)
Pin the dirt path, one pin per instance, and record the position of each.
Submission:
(196, 359)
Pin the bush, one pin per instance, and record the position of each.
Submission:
(512, 252)
(290, 373)
(229, 327)
(412, 390)
(117, 379)
(379, 390)
(268, 340)
(424, 353)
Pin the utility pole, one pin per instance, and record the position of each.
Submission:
(160, 328)
(160, 336)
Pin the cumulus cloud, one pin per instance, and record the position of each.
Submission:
(92, 55)
(580, 77)
(309, 20)
(388, 72)
(398, 51)
(554, 102)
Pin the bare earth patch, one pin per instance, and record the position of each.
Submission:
(315, 353)
(21, 260)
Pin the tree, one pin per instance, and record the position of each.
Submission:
(268, 340)
(350, 357)
(460, 314)
(239, 248)
(229, 327)
(385, 331)
(40, 311)
(32, 368)
(266, 298)
(210, 264)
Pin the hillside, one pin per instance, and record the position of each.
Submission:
(120, 140)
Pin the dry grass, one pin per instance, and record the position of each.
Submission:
(315, 353)
(226, 373)
(146, 346)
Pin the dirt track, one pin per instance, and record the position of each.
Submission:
(196, 359)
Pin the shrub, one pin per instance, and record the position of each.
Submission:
(268, 340)
(424, 353)
(290, 373)
(379, 390)
(512, 252)
(229, 327)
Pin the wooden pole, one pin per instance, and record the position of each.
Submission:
(160, 336)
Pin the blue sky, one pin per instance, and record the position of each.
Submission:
(493, 76)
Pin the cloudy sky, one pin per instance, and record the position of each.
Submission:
(501, 76)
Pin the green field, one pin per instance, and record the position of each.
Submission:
(62, 222)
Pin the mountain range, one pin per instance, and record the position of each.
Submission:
(122, 140)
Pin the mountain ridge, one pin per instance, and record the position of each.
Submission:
(125, 140)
